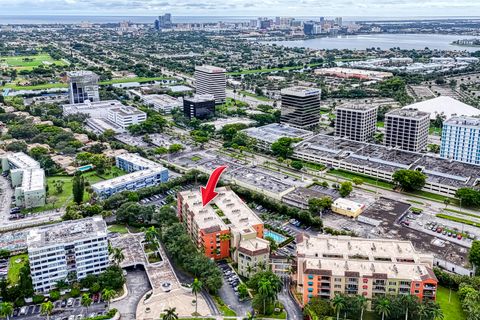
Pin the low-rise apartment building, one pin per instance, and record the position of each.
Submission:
(131, 162)
(225, 223)
(329, 265)
(28, 179)
(69, 250)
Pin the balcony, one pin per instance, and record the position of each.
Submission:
(429, 287)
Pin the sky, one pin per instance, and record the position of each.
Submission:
(345, 8)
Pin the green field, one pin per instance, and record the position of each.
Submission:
(118, 228)
(29, 62)
(64, 197)
(45, 86)
(451, 310)
(14, 267)
(249, 94)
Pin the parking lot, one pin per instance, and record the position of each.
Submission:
(229, 292)
(67, 309)
(6, 194)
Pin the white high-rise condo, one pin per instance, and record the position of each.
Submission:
(461, 139)
(356, 122)
(211, 80)
(68, 251)
(407, 129)
(82, 86)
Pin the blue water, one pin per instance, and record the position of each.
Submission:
(275, 236)
(85, 168)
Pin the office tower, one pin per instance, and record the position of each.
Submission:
(308, 28)
(67, 251)
(322, 21)
(407, 129)
(327, 266)
(200, 106)
(211, 80)
(82, 86)
(224, 223)
(356, 122)
(461, 139)
(301, 107)
(277, 21)
(339, 21)
(164, 22)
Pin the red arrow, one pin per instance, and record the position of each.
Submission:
(208, 192)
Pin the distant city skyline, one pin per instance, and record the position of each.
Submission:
(368, 8)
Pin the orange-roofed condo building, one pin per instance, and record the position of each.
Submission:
(225, 227)
(328, 265)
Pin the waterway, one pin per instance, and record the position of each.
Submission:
(382, 41)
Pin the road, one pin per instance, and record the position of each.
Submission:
(294, 312)
(137, 285)
(6, 194)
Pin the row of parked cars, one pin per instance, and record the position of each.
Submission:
(438, 228)
(3, 268)
(230, 276)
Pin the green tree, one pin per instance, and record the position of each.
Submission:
(78, 188)
(345, 189)
(283, 147)
(315, 205)
(46, 309)
(361, 302)
(197, 286)
(338, 304)
(409, 180)
(6, 310)
(357, 181)
(108, 295)
(86, 301)
(318, 308)
(170, 314)
(468, 197)
(474, 256)
(176, 147)
(297, 164)
(118, 255)
(58, 184)
(265, 291)
(242, 291)
(382, 307)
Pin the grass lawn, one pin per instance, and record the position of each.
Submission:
(433, 196)
(249, 94)
(366, 179)
(463, 213)
(118, 228)
(451, 310)
(224, 309)
(14, 267)
(415, 201)
(65, 196)
(196, 158)
(281, 315)
(380, 124)
(30, 62)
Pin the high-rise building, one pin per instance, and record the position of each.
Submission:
(407, 129)
(211, 80)
(328, 265)
(356, 122)
(200, 106)
(82, 86)
(67, 251)
(308, 28)
(339, 21)
(224, 223)
(461, 139)
(301, 107)
(164, 22)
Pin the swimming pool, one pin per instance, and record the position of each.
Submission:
(274, 235)
(85, 168)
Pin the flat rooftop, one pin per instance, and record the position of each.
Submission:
(127, 111)
(66, 232)
(162, 99)
(82, 73)
(374, 269)
(274, 131)
(356, 107)
(88, 105)
(128, 178)
(200, 98)
(138, 160)
(409, 112)
(300, 91)
(463, 121)
(33, 180)
(210, 69)
(22, 161)
(226, 211)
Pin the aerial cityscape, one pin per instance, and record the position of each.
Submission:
(238, 161)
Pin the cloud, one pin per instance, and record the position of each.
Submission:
(385, 8)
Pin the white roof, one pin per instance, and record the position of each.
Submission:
(446, 105)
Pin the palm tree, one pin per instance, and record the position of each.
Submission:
(249, 270)
(434, 311)
(86, 301)
(151, 234)
(422, 311)
(6, 310)
(170, 314)
(225, 237)
(266, 292)
(383, 307)
(362, 304)
(46, 308)
(118, 255)
(108, 295)
(446, 202)
(338, 304)
(410, 302)
(196, 288)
